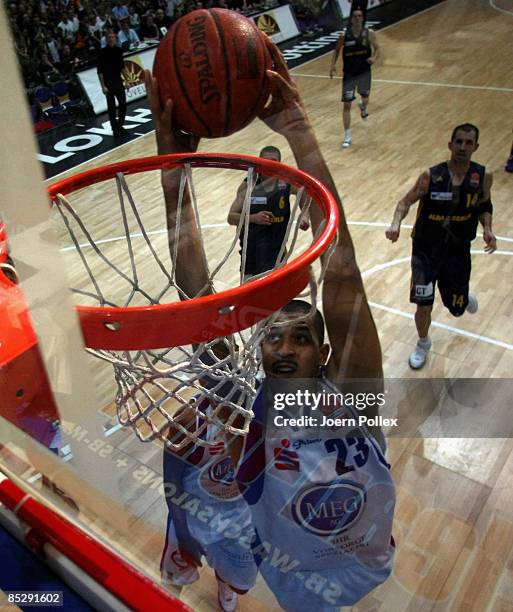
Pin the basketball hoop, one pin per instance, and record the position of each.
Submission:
(165, 349)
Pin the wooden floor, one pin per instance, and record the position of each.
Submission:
(454, 518)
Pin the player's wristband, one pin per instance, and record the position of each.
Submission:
(486, 207)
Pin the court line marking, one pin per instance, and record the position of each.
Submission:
(408, 315)
(498, 8)
(450, 328)
(423, 83)
(224, 224)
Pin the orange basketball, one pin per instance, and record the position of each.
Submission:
(212, 64)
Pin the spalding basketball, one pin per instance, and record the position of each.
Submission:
(212, 64)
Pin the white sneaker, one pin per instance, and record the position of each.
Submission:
(473, 304)
(419, 355)
(347, 141)
(364, 113)
(226, 597)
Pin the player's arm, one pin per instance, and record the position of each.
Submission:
(100, 75)
(237, 205)
(336, 53)
(418, 190)
(262, 217)
(376, 50)
(353, 337)
(305, 224)
(102, 82)
(485, 217)
(191, 267)
(191, 273)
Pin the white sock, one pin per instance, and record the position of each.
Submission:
(423, 341)
(347, 133)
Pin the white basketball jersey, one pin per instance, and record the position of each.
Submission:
(327, 503)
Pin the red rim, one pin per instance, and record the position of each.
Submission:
(213, 316)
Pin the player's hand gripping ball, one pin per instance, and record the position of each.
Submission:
(212, 64)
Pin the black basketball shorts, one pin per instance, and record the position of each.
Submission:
(353, 83)
(450, 267)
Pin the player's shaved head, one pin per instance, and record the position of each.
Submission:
(300, 307)
(270, 150)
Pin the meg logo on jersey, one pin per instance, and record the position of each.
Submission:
(222, 471)
(329, 508)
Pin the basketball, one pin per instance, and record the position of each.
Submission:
(212, 64)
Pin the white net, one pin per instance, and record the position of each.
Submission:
(155, 387)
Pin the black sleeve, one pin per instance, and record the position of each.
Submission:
(121, 61)
(486, 207)
(101, 62)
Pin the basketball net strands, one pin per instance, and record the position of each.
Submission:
(171, 349)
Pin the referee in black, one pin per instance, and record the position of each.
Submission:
(110, 67)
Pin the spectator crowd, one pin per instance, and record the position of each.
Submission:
(55, 38)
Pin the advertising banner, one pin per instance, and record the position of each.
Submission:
(279, 23)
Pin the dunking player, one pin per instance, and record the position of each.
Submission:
(323, 524)
(207, 515)
(359, 46)
(269, 216)
(453, 196)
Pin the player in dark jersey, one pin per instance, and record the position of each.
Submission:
(269, 215)
(454, 196)
(359, 46)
